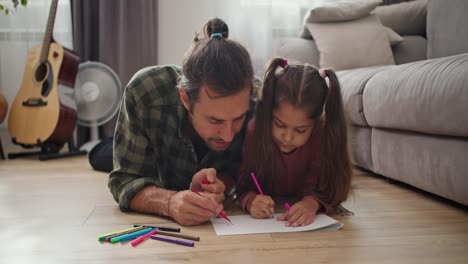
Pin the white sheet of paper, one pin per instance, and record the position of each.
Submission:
(245, 224)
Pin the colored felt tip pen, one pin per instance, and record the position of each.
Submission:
(103, 237)
(222, 214)
(107, 239)
(162, 228)
(130, 236)
(142, 238)
(172, 234)
(174, 241)
(256, 183)
(258, 187)
(287, 206)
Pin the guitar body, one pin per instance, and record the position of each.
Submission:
(44, 111)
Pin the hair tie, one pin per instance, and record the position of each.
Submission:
(322, 73)
(284, 63)
(216, 35)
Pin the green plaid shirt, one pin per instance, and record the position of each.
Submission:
(150, 143)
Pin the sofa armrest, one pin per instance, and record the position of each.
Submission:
(428, 96)
(298, 49)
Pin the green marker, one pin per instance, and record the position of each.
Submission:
(101, 238)
(130, 236)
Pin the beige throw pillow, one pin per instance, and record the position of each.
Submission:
(352, 44)
(342, 11)
(393, 37)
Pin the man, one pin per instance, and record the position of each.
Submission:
(177, 128)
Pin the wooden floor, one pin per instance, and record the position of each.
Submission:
(53, 212)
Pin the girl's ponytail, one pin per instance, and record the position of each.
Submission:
(266, 167)
(334, 183)
(259, 153)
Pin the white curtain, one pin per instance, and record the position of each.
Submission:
(22, 30)
(260, 24)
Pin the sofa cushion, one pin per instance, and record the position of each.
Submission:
(427, 96)
(334, 12)
(352, 44)
(412, 48)
(352, 84)
(408, 18)
(341, 11)
(393, 37)
(447, 30)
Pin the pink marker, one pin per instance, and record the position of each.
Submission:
(287, 206)
(256, 183)
(258, 187)
(142, 238)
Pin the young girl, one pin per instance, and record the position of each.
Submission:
(296, 146)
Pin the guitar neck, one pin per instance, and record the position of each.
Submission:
(48, 34)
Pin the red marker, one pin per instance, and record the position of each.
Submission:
(222, 214)
(205, 181)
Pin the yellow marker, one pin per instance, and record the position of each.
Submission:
(101, 238)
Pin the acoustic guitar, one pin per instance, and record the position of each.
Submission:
(44, 111)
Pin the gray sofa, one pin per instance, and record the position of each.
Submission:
(409, 122)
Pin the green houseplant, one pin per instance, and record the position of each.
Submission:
(15, 3)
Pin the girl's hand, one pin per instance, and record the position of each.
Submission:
(301, 213)
(261, 206)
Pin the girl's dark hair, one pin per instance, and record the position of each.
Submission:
(302, 86)
(222, 64)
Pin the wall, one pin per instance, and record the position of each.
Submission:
(255, 24)
(178, 21)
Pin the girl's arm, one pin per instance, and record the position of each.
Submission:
(246, 200)
(322, 207)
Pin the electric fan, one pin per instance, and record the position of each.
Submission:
(97, 96)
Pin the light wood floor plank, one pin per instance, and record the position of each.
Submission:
(53, 212)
